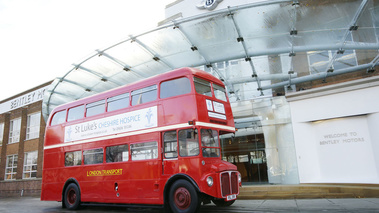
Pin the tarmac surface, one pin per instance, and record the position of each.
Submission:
(34, 205)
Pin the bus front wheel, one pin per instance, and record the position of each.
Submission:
(71, 197)
(183, 197)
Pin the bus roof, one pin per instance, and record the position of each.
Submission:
(139, 84)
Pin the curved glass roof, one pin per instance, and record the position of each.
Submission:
(256, 49)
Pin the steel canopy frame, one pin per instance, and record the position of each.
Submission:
(126, 70)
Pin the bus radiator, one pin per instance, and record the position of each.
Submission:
(229, 183)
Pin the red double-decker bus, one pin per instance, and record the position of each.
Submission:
(155, 142)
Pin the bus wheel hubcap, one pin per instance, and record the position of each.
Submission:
(182, 198)
(71, 197)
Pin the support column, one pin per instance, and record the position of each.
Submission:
(20, 161)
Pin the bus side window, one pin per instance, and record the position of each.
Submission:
(144, 95)
(93, 156)
(75, 113)
(175, 87)
(170, 144)
(58, 118)
(95, 108)
(188, 142)
(118, 102)
(144, 151)
(73, 158)
(203, 87)
(117, 153)
(219, 92)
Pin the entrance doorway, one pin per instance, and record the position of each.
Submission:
(248, 154)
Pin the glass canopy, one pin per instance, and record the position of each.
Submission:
(265, 48)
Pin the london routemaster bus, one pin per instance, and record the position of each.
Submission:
(153, 142)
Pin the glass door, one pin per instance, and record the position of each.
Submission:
(248, 154)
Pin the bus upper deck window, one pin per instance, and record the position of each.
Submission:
(203, 87)
(118, 102)
(75, 113)
(144, 95)
(95, 108)
(58, 118)
(175, 87)
(219, 92)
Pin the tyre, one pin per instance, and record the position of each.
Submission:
(222, 202)
(183, 197)
(71, 197)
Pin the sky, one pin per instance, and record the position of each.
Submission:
(41, 39)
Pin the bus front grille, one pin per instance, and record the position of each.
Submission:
(229, 183)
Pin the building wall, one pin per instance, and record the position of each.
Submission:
(21, 106)
(335, 130)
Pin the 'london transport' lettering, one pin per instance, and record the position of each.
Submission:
(110, 172)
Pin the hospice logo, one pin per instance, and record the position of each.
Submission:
(148, 115)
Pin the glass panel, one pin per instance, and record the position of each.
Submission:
(144, 151)
(203, 87)
(117, 153)
(170, 144)
(144, 95)
(118, 102)
(75, 113)
(95, 108)
(175, 87)
(188, 142)
(93, 156)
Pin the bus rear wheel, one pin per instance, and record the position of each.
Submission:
(71, 197)
(183, 197)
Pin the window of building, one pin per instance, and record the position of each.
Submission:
(203, 87)
(117, 153)
(118, 102)
(219, 92)
(188, 142)
(144, 151)
(58, 118)
(33, 126)
(11, 167)
(1, 133)
(170, 144)
(30, 165)
(95, 108)
(75, 113)
(14, 131)
(175, 87)
(93, 156)
(144, 95)
(209, 138)
(73, 158)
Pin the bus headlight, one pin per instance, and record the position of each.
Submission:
(210, 181)
(239, 178)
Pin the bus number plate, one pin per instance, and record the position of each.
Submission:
(231, 197)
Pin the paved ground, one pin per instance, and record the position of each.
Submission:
(34, 205)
